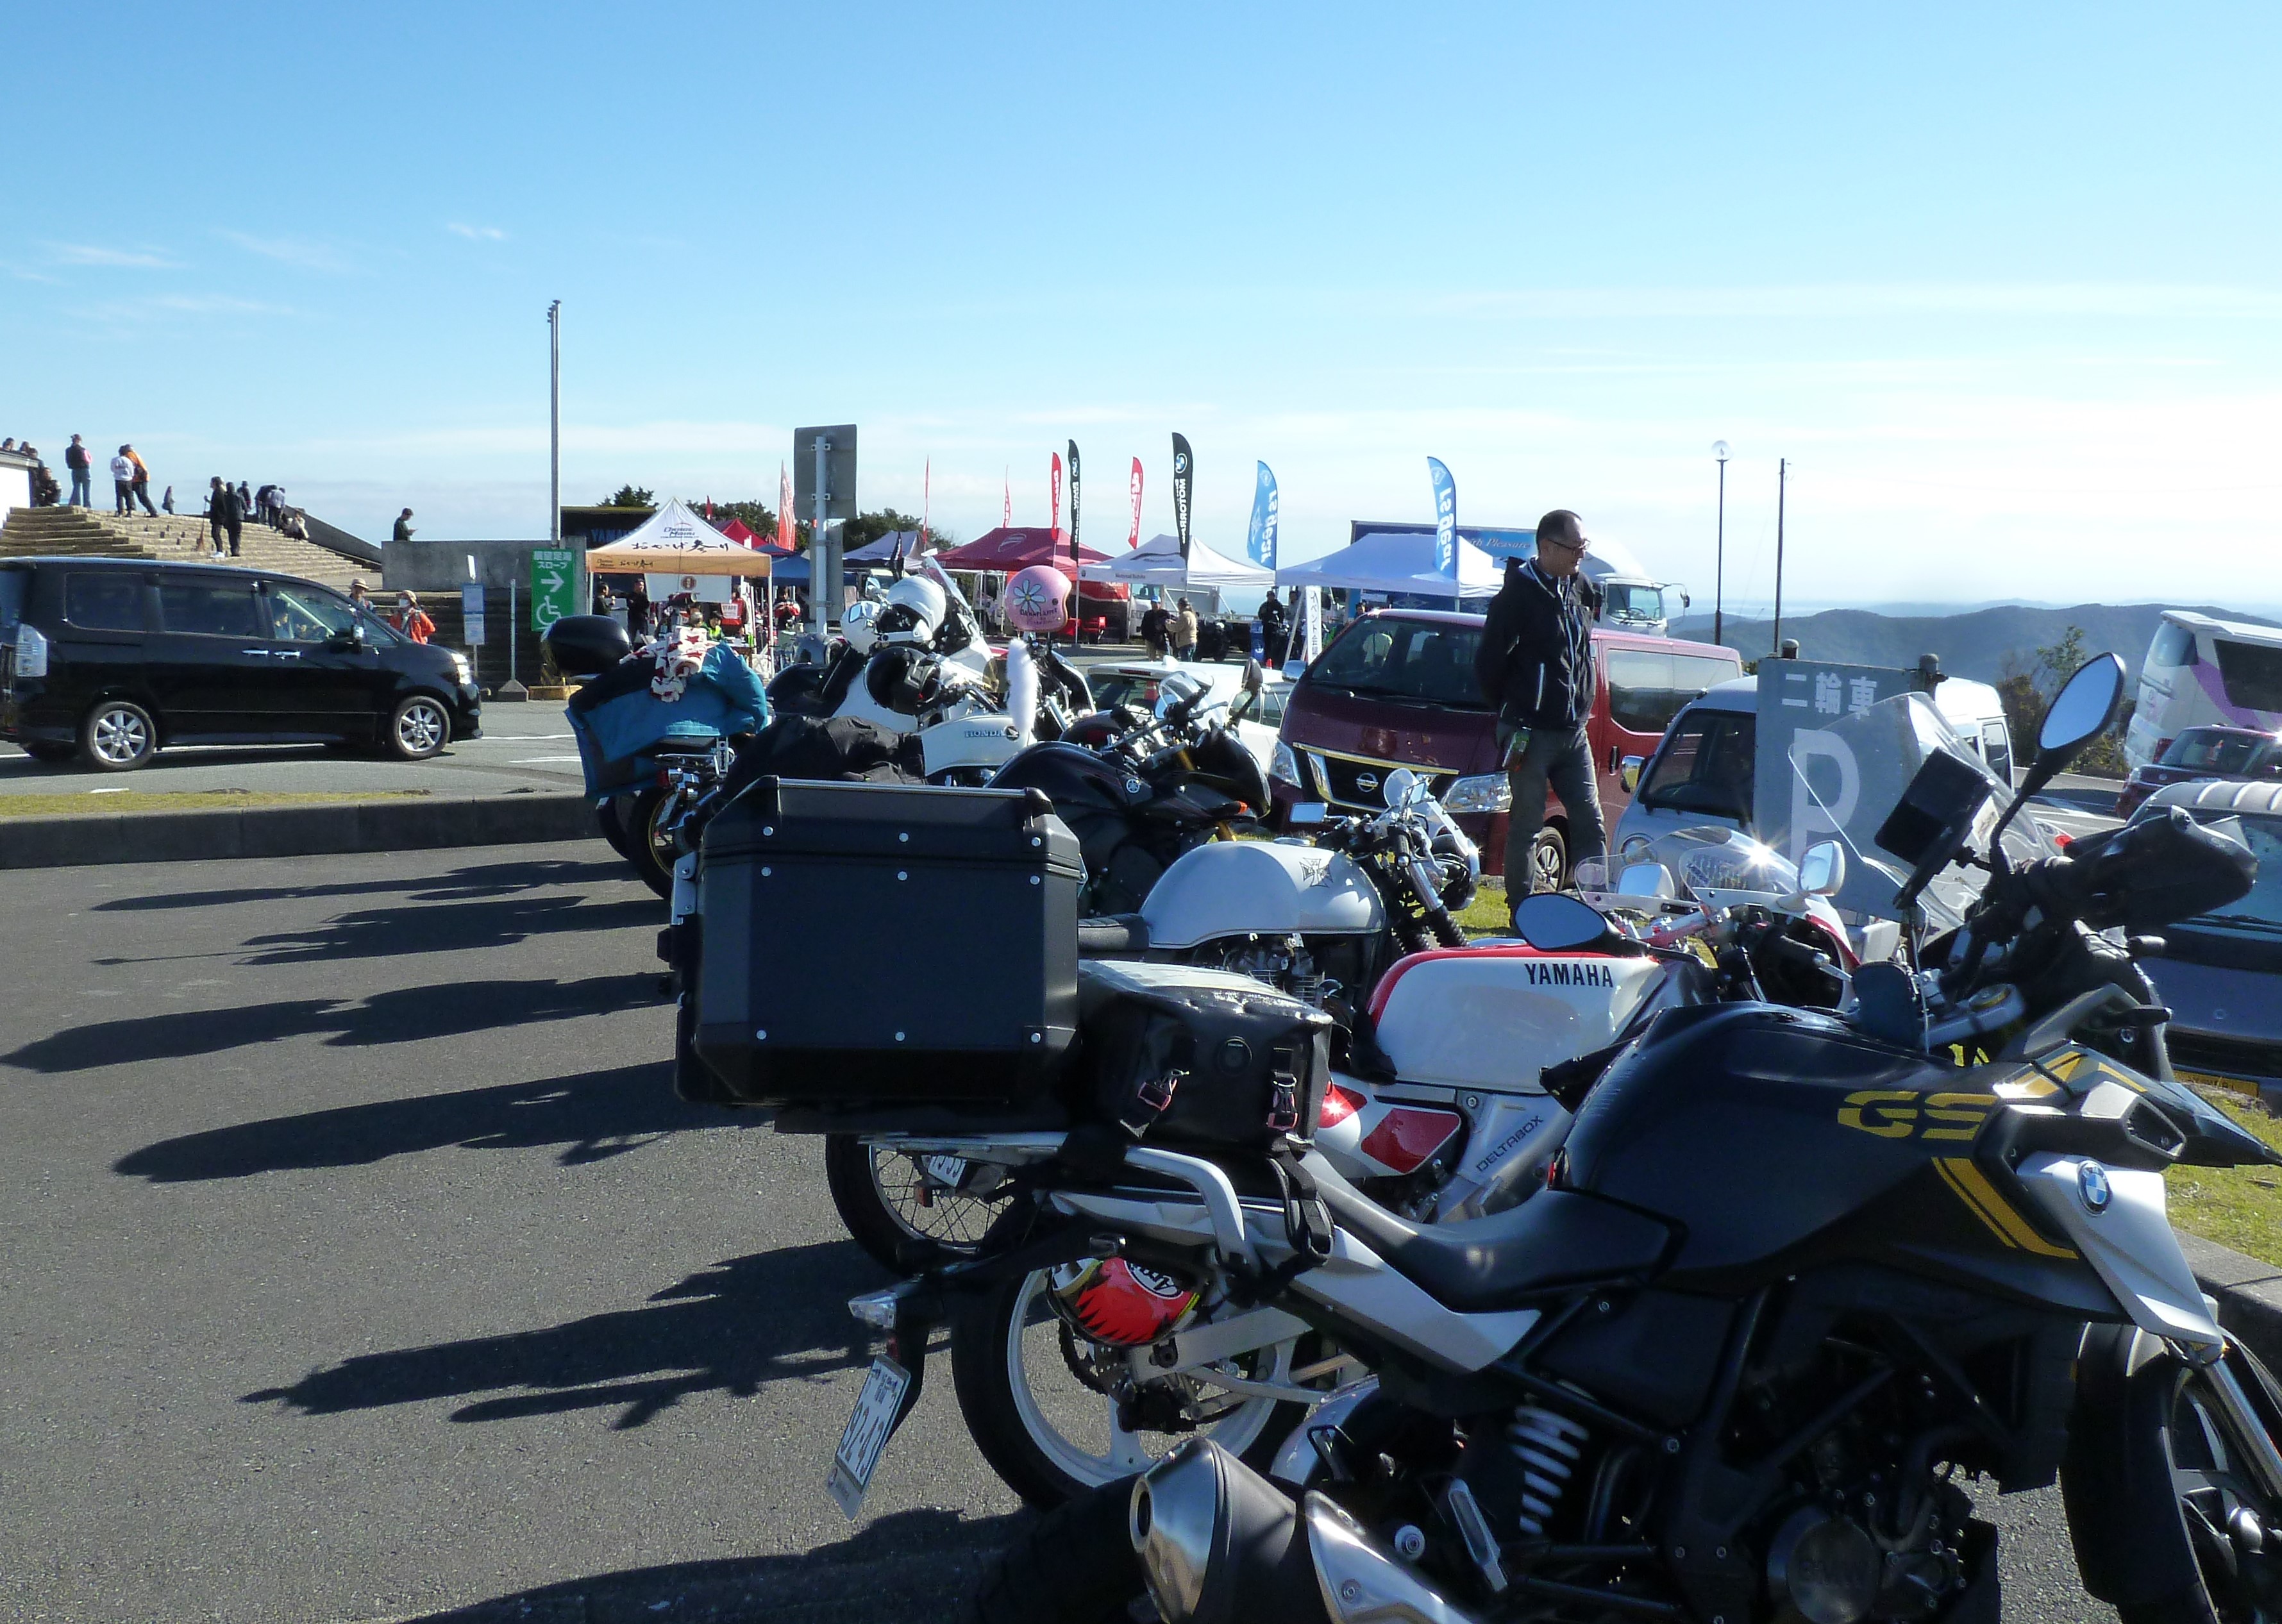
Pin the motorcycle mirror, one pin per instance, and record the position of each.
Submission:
(1822, 871)
(1255, 677)
(1646, 880)
(1402, 786)
(1555, 922)
(1306, 813)
(2081, 711)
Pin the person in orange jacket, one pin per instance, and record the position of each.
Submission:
(409, 621)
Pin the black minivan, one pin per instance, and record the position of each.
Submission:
(110, 659)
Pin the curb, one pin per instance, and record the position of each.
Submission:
(406, 825)
(2250, 1294)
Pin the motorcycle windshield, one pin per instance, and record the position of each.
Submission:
(1853, 793)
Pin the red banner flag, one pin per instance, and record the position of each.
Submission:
(788, 527)
(1056, 523)
(1134, 538)
(1007, 518)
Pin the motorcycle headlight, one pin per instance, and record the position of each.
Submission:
(1485, 792)
(1284, 767)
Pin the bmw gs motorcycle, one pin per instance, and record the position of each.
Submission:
(1793, 1274)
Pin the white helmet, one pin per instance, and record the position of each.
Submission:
(858, 624)
(913, 610)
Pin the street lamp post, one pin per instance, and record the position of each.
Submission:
(1719, 559)
(555, 423)
(1782, 482)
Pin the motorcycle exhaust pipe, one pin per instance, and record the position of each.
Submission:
(1221, 1544)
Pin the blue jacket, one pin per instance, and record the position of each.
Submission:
(618, 721)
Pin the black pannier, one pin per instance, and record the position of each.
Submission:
(1182, 1056)
(870, 945)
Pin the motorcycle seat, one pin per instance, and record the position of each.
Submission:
(1112, 935)
(1556, 1238)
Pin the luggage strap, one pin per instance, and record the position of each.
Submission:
(1152, 1099)
(1307, 1220)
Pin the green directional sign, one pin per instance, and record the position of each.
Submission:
(554, 586)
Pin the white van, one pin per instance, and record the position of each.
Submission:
(1703, 770)
(2205, 672)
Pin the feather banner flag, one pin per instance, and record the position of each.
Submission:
(1133, 537)
(1260, 541)
(1074, 552)
(1184, 474)
(1445, 519)
(1055, 525)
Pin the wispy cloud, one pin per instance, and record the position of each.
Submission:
(477, 234)
(127, 259)
(292, 251)
(1868, 301)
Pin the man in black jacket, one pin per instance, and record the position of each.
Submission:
(76, 458)
(1536, 667)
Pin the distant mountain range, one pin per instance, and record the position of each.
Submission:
(1971, 643)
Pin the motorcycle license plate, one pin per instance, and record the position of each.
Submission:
(868, 1433)
(947, 1170)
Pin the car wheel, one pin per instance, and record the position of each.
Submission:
(419, 728)
(1548, 860)
(118, 737)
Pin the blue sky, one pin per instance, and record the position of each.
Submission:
(2005, 287)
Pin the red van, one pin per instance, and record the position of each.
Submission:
(1396, 689)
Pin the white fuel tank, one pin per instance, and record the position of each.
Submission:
(1228, 888)
(1493, 1017)
(987, 742)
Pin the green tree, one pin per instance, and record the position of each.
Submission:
(866, 528)
(631, 496)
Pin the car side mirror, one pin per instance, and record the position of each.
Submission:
(1628, 772)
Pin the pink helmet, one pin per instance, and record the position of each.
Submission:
(1037, 599)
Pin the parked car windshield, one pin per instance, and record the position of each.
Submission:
(1706, 766)
(2207, 749)
(1426, 662)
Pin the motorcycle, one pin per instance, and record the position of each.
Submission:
(1794, 1271)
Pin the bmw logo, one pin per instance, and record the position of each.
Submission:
(1366, 781)
(2091, 1184)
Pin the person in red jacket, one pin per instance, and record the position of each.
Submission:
(409, 621)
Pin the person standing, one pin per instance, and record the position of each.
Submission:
(141, 486)
(224, 515)
(1185, 626)
(81, 465)
(166, 502)
(1535, 668)
(122, 484)
(359, 595)
(403, 532)
(244, 502)
(408, 617)
(1275, 630)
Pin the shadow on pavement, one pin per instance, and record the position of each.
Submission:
(593, 1116)
(731, 1327)
(405, 1015)
(445, 928)
(476, 881)
(914, 1566)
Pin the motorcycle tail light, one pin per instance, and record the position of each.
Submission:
(1338, 1105)
(1408, 1135)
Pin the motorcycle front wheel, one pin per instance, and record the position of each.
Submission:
(1033, 1393)
(907, 1211)
(2232, 1516)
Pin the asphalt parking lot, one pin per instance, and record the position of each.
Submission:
(360, 1264)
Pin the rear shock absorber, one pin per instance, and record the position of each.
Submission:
(1548, 1447)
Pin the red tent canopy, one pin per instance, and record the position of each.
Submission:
(737, 531)
(1007, 550)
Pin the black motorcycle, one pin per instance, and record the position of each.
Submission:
(1795, 1275)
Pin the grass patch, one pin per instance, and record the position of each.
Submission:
(1487, 913)
(2238, 1207)
(85, 803)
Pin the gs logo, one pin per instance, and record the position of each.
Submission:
(1899, 1113)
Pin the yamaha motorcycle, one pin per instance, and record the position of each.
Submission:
(1793, 1275)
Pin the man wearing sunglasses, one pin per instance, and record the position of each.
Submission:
(1535, 667)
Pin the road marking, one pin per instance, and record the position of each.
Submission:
(532, 761)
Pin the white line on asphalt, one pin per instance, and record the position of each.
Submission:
(532, 761)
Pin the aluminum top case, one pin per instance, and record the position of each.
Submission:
(877, 944)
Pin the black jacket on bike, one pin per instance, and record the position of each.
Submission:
(1535, 664)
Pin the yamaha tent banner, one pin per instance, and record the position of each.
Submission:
(1185, 470)
(1445, 518)
(1260, 541)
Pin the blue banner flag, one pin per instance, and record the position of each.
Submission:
(1445, 518)
(1259, 545)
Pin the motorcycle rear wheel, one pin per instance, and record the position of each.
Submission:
(2216, 1477)
(608, 818)
(896, 1212)
(652, 856)
(1048, 1437)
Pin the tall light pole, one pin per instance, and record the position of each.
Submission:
(1783, 479)
(1719, 559)
(555, 423)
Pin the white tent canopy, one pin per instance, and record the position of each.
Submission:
(1384, 560)
(1158, 562)
(678, 552)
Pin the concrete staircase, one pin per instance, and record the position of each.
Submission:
(174, 537)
